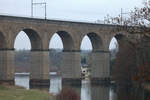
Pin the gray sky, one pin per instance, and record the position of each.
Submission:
(78, 10)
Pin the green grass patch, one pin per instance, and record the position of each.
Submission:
(2, 87)
(17, 93)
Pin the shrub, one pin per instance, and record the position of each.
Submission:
(67, 94)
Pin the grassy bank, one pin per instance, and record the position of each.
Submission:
(18, 93)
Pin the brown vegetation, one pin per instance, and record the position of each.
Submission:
(143, 74)
(67, 94)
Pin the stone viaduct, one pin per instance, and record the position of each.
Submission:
(40, 32)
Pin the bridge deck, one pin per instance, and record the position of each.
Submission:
(6, 17)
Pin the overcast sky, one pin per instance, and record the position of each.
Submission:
(77, 10)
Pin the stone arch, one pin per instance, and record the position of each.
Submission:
(96, 40)
(68, 43)
(121, 38)
(119, 33)
(35, 39)
(3, 44)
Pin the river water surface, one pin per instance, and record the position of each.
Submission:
(86, 91)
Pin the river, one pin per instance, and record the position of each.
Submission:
(86, 91)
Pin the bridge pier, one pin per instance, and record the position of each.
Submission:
(71, 68)
(100, 67)
(7, 66)
(39, 75)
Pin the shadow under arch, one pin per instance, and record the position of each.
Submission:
(121, 40)
(120, 37)
(3, 44)
(67, 40)
(36, 42)
(117, 43)
(96, 41)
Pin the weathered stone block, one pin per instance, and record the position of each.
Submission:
(7, 65)
(100, 65)
(71, 65)
(39, 65)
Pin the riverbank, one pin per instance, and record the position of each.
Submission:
(18, 93)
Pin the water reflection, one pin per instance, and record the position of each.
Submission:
(112, 94)
(86, 91)
(55, 85)
(22, 80)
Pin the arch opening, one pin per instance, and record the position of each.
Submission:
(91, 42)
(86, 49)
(63, 41)
(25, 41)
(60, 41)
(116, 42)
(22, 42)
(123, 59)
(36, 43)
(114, 47)
(22, 47)
(56, 47)
(30, 35)
(56, 42)
(66, 40)
(96, 41)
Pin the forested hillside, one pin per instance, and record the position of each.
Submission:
(22, 59)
